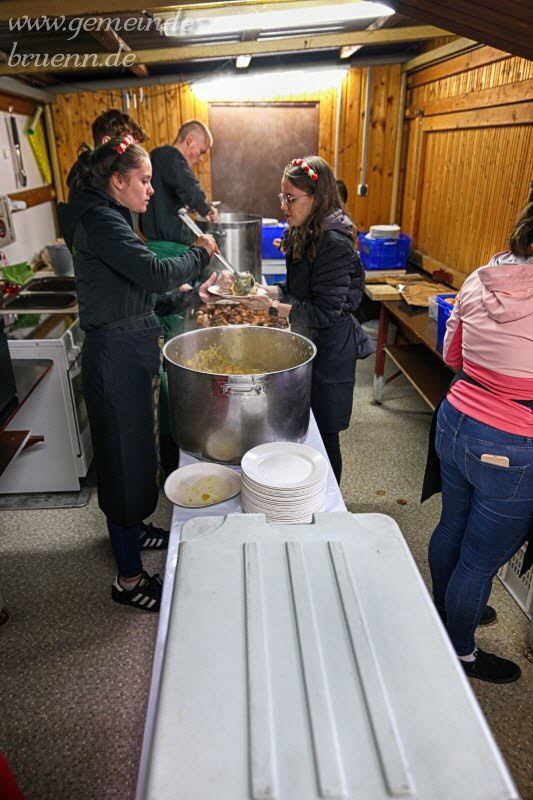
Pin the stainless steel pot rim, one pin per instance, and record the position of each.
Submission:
(235, 377)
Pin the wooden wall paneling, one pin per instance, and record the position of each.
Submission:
(172, 111)
(482, 78)
(454, 66)
(160, 131)
(496, 96)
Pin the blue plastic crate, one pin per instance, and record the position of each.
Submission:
(275, 278)
(384, 253)
(269, 233)
(444, 311)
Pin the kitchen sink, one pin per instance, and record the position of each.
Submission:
(50, 284)
(39, 302)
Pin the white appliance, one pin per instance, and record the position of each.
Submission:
(55, 409)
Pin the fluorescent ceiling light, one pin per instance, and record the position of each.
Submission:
(199, 24)
(243, 61)
(265, 85)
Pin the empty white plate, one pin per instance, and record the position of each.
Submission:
(284, 465)
(199, 485)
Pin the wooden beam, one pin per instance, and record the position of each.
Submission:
(519, 92)
(17, 104)
(519, 114)
(488, 24)
(439, 54)
(19, 88)
(34, 197)
(164, 55)
(475, 58)
(110, 40)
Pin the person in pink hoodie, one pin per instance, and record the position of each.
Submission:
(484, 443)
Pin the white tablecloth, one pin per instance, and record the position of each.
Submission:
(334, 501)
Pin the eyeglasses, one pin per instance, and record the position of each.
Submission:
(289, 199)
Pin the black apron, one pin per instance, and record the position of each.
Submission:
(333, 379)
(432, 483)
(120, 374)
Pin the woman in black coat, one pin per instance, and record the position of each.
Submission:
(118, 280)
(324, 286)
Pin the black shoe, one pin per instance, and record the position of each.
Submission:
(146, 595)
(488, 617)
(153, 538)
(491, 668)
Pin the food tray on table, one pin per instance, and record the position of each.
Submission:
(211, 315)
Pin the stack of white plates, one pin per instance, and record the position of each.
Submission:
(383, 232)
(284, 481)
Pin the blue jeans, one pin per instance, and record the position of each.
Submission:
(487, 512)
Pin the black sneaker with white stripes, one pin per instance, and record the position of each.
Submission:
(146, 594)
(153, 538)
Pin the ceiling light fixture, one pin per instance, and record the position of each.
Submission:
(243, 61)
(266, 85)
(206, 23)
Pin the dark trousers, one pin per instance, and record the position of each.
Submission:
(333, 449)
(126, 548)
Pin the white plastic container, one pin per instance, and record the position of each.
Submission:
(307, 661)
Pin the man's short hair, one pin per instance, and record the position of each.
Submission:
(197, 127)
(114, 123)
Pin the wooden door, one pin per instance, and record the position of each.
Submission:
(253, 142)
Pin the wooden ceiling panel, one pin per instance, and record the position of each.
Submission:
(507, 26)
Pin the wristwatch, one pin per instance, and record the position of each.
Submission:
(273, 309)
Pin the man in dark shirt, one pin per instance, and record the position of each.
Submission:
(175, 186)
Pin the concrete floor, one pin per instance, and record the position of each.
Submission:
(75, 668)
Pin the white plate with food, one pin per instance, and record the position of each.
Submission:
(200, 485)
(218, 292)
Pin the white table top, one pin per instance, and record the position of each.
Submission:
(180, 515)
(334, 501)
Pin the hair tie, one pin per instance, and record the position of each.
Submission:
(299, 162)
(124, 144)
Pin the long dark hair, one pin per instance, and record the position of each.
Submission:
(303, 240)
(521, 238)
(95, 167)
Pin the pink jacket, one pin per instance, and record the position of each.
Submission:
(490, 335)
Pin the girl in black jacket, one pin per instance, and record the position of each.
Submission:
(324, 286)
(118, 281)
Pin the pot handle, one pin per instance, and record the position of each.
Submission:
(239, 389)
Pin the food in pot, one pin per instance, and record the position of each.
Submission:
(213, 314)
(450, 300)
(217, 360)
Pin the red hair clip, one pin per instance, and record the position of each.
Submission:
(299, 162)
(124, 144)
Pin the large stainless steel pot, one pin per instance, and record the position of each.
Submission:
(220, 417)
(239, 239)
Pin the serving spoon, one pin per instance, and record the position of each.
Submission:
(183, 215)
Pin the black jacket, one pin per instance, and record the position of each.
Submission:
(175, 186)
(117, 277)
(324, 294)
